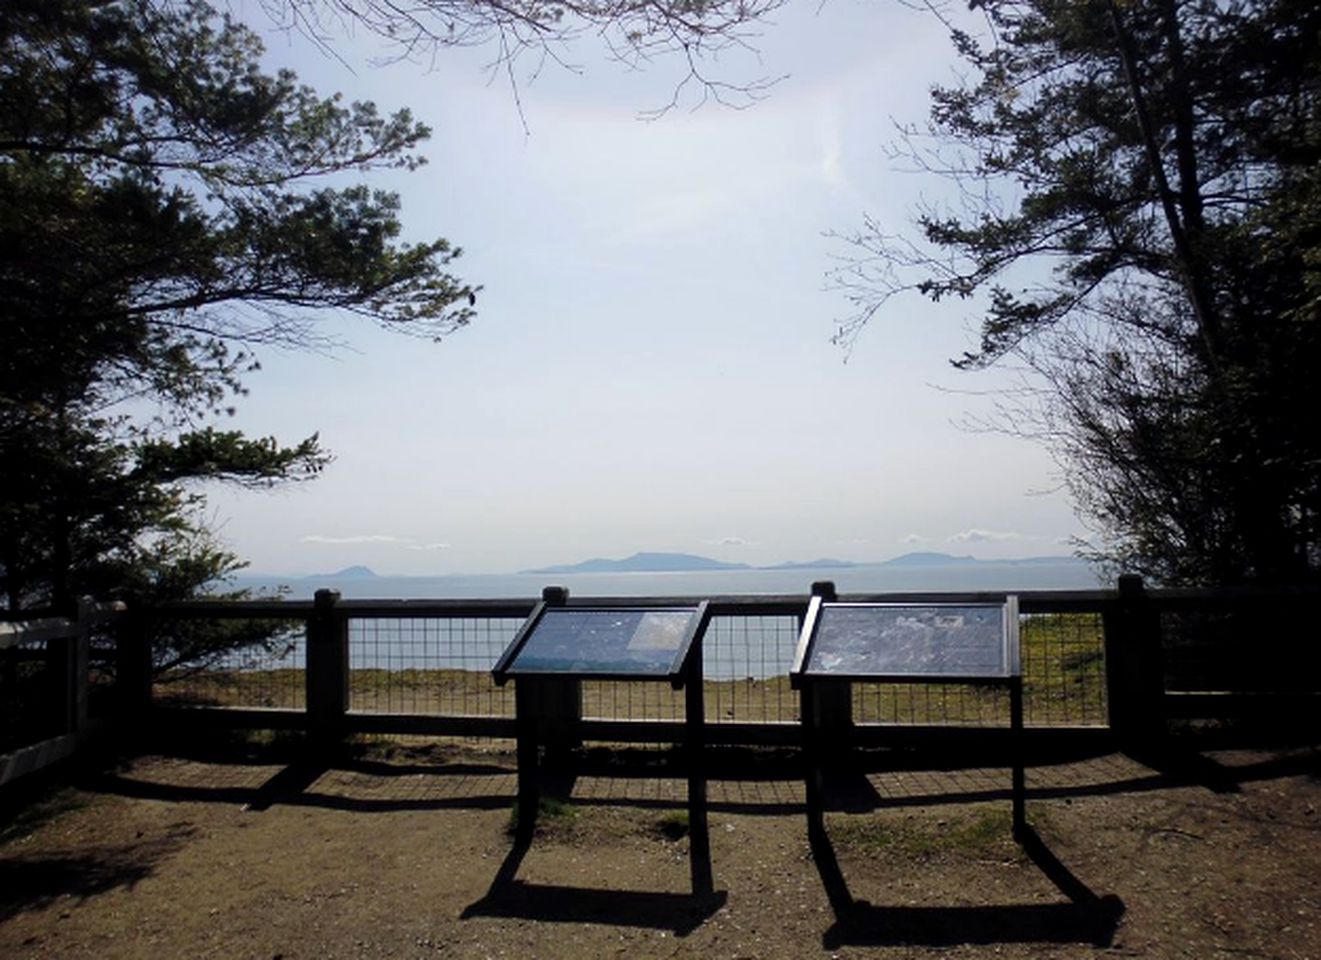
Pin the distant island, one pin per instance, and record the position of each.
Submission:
(655, 562)
(936, 560)
(348, 573)
(690, 563)
(644, 563)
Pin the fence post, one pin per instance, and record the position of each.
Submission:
(559, 702)
(832, 700)
(133, 663)
(79, 666)
(1135, 679)
(327, 667)
(58, 679)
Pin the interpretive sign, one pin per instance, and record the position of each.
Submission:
(875, 642)
(559, 646)
(606, 643)
(887, 641)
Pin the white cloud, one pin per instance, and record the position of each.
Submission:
(732, 541)
(381, 538)
(983, 536)
(913, 538)
(359, 538)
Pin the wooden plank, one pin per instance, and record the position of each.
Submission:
(37, 756)
(788, 733)
(429, 724)
(16, 633)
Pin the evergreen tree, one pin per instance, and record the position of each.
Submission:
(161, 213)
(1140, 210)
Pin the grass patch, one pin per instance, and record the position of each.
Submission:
(673, 825)
(555, 817)
(981, 833)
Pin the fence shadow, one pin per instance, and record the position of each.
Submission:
(31, 883)
(458, 782)
(1084, 918)
(290, 786)
(678, 913)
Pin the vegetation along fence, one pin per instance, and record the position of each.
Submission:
(1126, 661)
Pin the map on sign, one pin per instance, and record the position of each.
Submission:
(585, 642)
(900, 640)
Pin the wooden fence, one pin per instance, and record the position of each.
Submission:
(1119, 664)
(45, 671)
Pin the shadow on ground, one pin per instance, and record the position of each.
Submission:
(437, 781)
(32, 883)
(679, 913)
(1083, 918)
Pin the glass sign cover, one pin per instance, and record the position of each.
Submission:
(585, 641)
(890, 640)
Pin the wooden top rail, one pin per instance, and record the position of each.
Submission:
(734, 605)
(363, 609)
(729, 605)
(36, 631)
(16, 632)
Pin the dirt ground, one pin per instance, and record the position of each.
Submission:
(406, 851)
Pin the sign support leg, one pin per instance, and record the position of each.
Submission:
(699, 835)
(528, 787)
(813, 775)
(1016, 747)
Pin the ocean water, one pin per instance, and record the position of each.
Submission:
(877, 578)
(746, 647)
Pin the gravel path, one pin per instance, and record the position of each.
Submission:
(407, 853)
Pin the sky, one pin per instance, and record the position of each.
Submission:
(651, 365)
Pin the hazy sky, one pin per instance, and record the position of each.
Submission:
(651, 365)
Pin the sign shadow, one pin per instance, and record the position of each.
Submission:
(678, 913)
(1084, 917)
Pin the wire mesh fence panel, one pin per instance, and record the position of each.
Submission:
(192, 668)
(1267, 645)
(746, 663)
(436, 666)
(751, 700)
(956, 704)
(440, 666)
(1063, 664)
(102, 672)
(1063, 658)
(631, 700)
(26, 695)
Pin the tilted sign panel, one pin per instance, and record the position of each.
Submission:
(642, 642)
(879, 640)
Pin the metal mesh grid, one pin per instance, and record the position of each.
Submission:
(102, 663)
(1264, 645)
(269, 674)
(1063, 668)
(930, 703)
(746, 662)
(434, 666)
(627, 700)
(1063, 661)
(441, 667)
